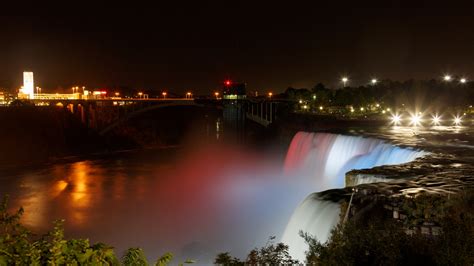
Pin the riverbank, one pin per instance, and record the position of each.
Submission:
(31, 135)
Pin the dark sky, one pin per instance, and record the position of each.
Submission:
(269, 46)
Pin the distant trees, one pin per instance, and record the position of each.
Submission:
(421, 94)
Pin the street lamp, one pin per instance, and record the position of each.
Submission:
(270, 94)
(140, 95)
(436, 120)
(117, 94)
(216, 94)
(457, 120)
(447, 78)
(164, 94)
(373, 81)
(396, 119)
(463, 80)
(344, 81)
(188, 94)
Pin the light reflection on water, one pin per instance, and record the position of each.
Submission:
(149, 199)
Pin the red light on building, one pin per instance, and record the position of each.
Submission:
(227, 82)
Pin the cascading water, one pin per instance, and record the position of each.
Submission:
(323, 159)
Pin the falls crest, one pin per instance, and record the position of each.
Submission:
(321, 160)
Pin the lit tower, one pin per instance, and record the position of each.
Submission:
(28, 85)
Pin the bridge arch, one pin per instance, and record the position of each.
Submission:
(144, 110)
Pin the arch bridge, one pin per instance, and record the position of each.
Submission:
(104, 115)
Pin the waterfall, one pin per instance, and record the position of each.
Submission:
(322, 160)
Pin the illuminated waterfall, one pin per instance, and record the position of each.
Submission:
(323, 159)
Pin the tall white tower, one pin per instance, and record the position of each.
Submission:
(28, 85)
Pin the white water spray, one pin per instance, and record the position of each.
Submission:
(323, 159)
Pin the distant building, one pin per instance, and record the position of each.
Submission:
(234, 91)
(233, 95)
(27, 91)
(3, 98)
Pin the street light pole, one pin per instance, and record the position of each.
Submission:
(344, 81)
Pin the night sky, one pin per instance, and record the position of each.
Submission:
(270, 46)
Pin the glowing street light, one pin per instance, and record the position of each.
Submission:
(436, 120)
(188, 94)
(373, 81)
(344, 81)
(447, 78)
(164, 94)
(216, 94)
(270, 94)
(416, 120)
(117, 94)
(140, 94)
(320, 108)
(300, 101)
(457, 120)
(463, 80)
(396, 119)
